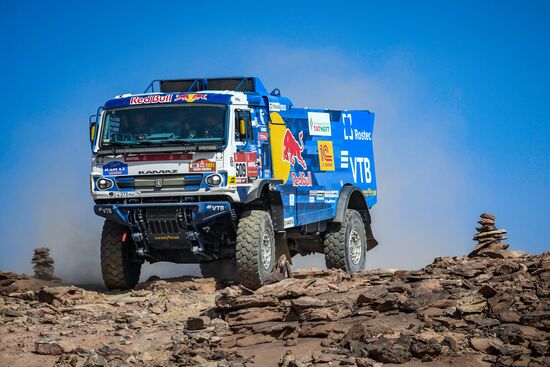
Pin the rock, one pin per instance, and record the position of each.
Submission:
(43, 264)
(485, 345)
(95, 360)
(254, 339)
(487, 291)
(425, 349)
(53, 347)
(197, 323)
(472, 303)
(372, 294)
(387, 352)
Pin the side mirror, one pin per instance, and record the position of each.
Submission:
(242, 127)
(93, 127)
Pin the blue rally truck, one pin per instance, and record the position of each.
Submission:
(218, 171)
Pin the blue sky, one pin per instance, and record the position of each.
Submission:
(460, 90)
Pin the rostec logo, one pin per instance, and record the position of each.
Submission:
(353, 134)
(292, 150)
(360, 167)
(151, 99)
(190, 97)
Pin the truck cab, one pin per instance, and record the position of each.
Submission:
(218, 171)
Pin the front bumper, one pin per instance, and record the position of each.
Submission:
(196, 213)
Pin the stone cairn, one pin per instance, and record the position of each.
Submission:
(43, 264)
(488, 238)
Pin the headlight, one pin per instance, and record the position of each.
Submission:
(214, 180)
(104, 183)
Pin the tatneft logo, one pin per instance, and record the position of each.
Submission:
(353, 134)
(319, 123)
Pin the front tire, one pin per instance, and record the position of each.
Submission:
(255, 248)
(345, 244)
(117, 266)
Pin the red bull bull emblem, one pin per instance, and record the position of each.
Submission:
(190, 97)
(292, 150)
(151, 99)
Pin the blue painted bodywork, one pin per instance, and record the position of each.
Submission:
(324, 156)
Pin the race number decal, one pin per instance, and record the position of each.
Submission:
(245, 167)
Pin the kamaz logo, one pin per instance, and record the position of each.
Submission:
(158, 172)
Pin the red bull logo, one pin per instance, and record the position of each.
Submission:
(292, 150)
(151, 99)
(190, 97)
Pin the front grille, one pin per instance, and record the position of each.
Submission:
(188, 182)
(163, 227)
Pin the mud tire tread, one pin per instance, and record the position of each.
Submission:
(117, 270)
(249, 235)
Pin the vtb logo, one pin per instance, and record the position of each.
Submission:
(360, 167)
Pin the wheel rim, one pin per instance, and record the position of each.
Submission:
(266, 251)
(355, 247)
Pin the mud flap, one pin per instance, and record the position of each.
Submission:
(371, 241)
(281, 246)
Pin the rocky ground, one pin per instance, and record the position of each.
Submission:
(470, 311)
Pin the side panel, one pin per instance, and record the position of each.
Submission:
(316, 153)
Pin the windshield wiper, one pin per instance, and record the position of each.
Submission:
(118, 143)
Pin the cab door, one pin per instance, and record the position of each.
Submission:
(246, 155)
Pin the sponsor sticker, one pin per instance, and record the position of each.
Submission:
(289, 222)
(151, 99)
(292, 150)
(245, 166)
(202, 165)
(369, 192)
(190, 97)
(115, 168)
(326, 155)
(231, 180)
(157, 157)
(319, 123)
(262, 136)
(353, 134)
(167, 238)
(301, 179)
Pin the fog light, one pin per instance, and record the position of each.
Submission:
(104, 183)
(214, 180)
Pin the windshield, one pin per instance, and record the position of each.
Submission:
(164, 125)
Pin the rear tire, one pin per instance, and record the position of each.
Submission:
(345, 243)
(117, 267)
(255, 248)
(222, 270)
